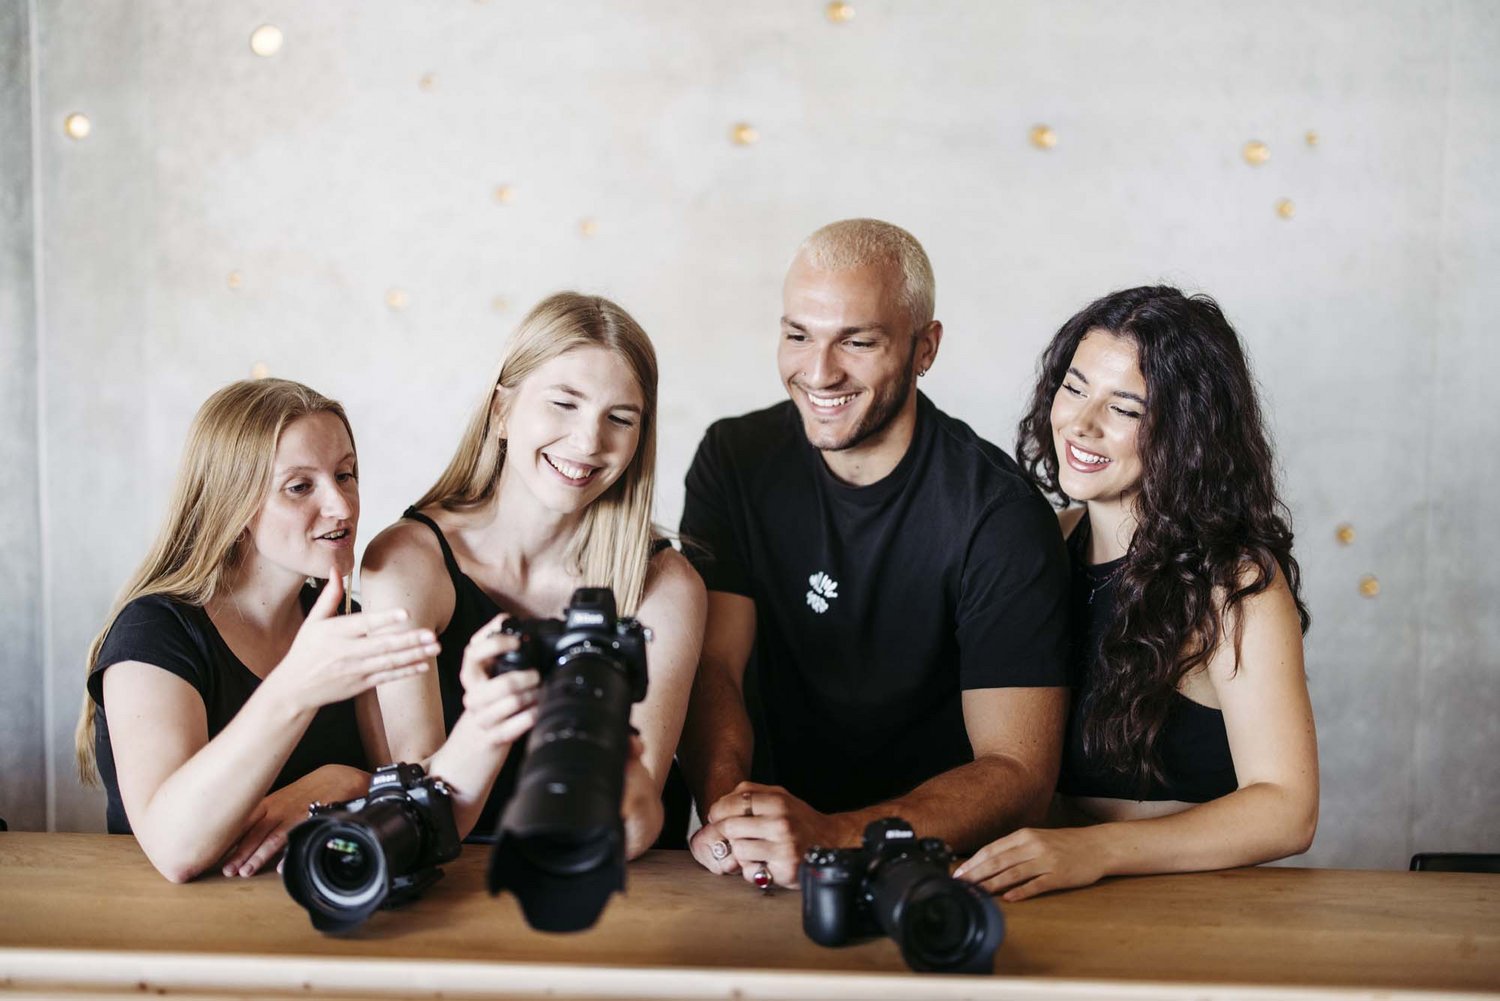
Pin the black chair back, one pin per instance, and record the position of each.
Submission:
(1455, 862)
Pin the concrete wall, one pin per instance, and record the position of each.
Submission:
(23, 740)
(230, 210)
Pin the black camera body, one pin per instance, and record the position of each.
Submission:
(560, 844)
(590, 627)
(382, 849)
(898, 885)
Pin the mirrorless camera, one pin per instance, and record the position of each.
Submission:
(560, 844)
(898, 885)
(382, 849)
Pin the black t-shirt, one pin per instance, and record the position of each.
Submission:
(181, 638)
(876, 606)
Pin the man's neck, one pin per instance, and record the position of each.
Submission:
(873, 459)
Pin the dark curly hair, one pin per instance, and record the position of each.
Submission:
(1210, 529)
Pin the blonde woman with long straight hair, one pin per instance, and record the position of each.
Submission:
(550, 489)
(224, 694)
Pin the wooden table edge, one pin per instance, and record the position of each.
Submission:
(81, 972)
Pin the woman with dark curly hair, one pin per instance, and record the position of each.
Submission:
(1191, 743)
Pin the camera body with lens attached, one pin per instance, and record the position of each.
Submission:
(560, 844)
(382, 849)
(897, 884)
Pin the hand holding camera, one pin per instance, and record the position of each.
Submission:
(502, 705)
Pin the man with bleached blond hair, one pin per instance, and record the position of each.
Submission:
(886, 592)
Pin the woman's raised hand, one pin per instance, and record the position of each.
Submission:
(335, 657)
(503, 706)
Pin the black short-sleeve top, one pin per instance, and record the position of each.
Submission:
(877, 606)
(180, 638)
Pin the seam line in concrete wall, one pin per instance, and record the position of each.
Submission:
(1416, 770)
(39, 321)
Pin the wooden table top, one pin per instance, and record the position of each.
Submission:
(73, 904)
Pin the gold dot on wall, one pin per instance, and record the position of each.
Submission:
(397, 299)
(840, 13)
(1311, 138)
(744, 134)
(1256, 152)
(260, 370)
(266, 40)
(428, 81)
(1286, 208)
(505, 194)
(499, 304)
(1369, 585)
(1042, 137)
(235, 280)
(588, 227)
(77, 126)
(1345, 534)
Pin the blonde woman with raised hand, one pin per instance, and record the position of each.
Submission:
(224, 694)
(550, 489)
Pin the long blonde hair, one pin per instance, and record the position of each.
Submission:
(223, 478)
(612, 545)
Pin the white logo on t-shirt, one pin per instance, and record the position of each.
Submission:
(824, 589)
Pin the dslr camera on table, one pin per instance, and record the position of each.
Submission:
(560, 844)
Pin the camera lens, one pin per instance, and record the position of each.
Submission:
(346, 867)
(569, 854)
(559, 845)
(940, 923)
(344, 864)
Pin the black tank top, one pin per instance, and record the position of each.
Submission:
(472, 608)
(1193, 748)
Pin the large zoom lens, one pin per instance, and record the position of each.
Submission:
(940, 923)
(566, 809)
(560, 845)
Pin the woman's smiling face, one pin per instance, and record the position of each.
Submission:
(572, 427)
(1096, 419)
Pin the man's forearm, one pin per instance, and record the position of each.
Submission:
(967, 806)
(717, 741)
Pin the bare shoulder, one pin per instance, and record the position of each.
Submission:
(674, 586)
(1274, 601)
(403, 568)
(405, 544)
(1261, 632)
(1068, 519)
